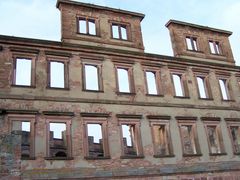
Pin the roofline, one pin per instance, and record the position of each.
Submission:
(140, 15)
(172, 21)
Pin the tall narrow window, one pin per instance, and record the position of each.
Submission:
(124, 80)
(191, 43)
(24, 71)
(151, 82)
(87, 26)
(188, 139)
(95, 142)
(24, 125)
(235, 136)
(161, 139)
(214, 47)
(91, 77)
(59, 137)
(215, 139)
(224, 89)
(95, 136)
(178, 85)
(201, 87)
(130, 138)
(58, 74)
(119, 31)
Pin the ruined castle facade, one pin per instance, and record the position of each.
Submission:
(95, 105)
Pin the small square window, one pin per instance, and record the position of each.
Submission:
(119, 31)
(191, 43)
(214, 47)
(87, 26)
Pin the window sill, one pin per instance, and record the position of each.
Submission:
(126, 93)
(182, 97)
(58, 158)
(206, 99)
(228, 100)
(22, 86)
(118, 39)
(56, 88)
(236, 153)
(155, 95)
(93, 91)
(164, 156)
(28, 158)
(194, 51)
(90, 35)
(97, 158)
(192, 155)
(214, 54)
(132, 157)
(217, 154)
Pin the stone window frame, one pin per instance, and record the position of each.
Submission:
(158, 80)
(189, 121)
(26, 118)
(29, 56)
(129, 68)
(87, 19)
(129, 119)
(233, 122)
(59, 118)
(204, 75)
(184, 83)
(59, 59)
(97, 62)
(215, 122)
(192, 39)
(96, 118)
(161, 120)
(228, 88)
(120, 24)
(217, 45)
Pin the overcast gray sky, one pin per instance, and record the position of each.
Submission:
(40, 19)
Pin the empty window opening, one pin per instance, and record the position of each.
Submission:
(177, 85)
(123, 80)
(151, 82)
(128, 133)
(57, 74)
(23, 72)
(95, 142)
(191, 43)
(213, 138)
(91, 77)
(87, 26)
(188, 139)
(24, 127)
(214, 47)
(223, 89)
(201, 87)
(235, 134)
(58, 140)
(161, 140)
(119, 31)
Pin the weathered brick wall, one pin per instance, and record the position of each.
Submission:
(10, 152)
